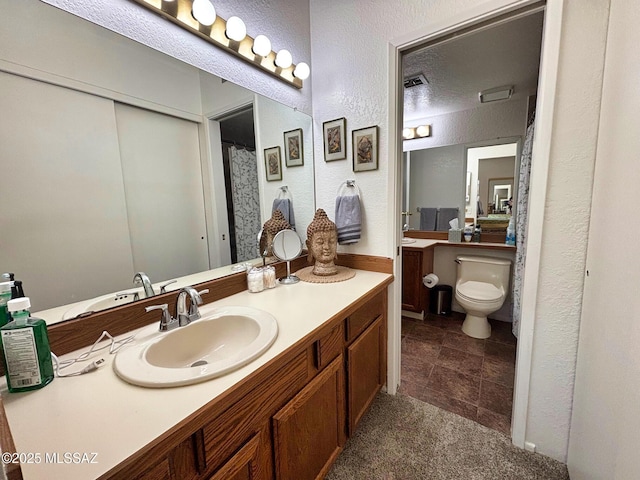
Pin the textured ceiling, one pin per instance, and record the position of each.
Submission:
(456, 70)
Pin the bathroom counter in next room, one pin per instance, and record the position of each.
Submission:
(109, 420)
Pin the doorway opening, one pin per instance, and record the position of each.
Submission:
(440, 364)
(238, 143)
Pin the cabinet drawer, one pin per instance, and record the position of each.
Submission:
(328, 347)
(363, 317)
(230, 430)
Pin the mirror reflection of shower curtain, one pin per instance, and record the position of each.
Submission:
(246, 202)
(522, 214)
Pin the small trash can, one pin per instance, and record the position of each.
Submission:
(440, 300)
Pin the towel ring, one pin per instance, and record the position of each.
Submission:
(283, 192)
(348, 184)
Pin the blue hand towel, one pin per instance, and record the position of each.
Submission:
(445, 215)
(428, 218)
(286, 207)
(348, 219)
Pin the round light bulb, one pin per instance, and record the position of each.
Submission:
(408, 133)
(204, 12)
(236, 30)
(423, 130)
(302, 71)
(261, 46)
(284, 59)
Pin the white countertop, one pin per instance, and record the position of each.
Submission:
(429, 242)
(100, 413)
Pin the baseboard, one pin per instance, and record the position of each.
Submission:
(417, 316)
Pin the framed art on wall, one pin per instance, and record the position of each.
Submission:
(335, 139)
(293, 150)
(365, 149)
(273, 164)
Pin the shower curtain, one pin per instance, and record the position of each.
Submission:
(521, 222)
(246, 202)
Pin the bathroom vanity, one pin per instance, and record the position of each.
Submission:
(286, 415)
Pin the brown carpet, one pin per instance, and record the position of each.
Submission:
(402, 438)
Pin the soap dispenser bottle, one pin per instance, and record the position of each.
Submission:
(5, 296)
(25, 349)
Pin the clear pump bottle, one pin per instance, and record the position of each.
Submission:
(25, 349)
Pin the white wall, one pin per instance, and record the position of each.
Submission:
(355, 86)
(272, 120)
(285, 22)
(487, 122)
(604, 427)
(565, 227)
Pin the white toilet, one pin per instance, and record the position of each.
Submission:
(481, 287)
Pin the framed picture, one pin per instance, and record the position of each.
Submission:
(293, 150)
(273, 164)
(365, 149)
(335, 139)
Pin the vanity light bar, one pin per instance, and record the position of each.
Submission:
(420, 131)
(180, 13)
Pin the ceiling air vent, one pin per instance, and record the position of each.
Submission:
(415, 80)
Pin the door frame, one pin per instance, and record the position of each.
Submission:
(545, 106)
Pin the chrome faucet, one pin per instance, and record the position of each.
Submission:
(184, 316)
(142, 278)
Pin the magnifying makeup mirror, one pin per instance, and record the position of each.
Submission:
(287, 246)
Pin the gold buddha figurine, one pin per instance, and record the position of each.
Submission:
(272, 226)
(322, 243)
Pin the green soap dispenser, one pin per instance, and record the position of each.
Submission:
(25, 349)
(5, 296)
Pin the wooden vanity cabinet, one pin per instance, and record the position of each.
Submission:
(366, 354)
(287, 421)
(309, 431)
(416, 263)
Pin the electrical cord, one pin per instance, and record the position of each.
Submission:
(114, 346)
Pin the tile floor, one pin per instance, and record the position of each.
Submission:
(446, 368)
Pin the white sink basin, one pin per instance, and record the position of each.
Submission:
(406, 240)
(104, 302)
(223, 340)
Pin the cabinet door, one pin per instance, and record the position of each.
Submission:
(367, 370)
(244, 465)
(309, 431)
(412, 281)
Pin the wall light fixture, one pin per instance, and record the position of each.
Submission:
(420, 131)
(199, 17)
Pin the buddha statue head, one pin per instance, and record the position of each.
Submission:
(322, 242)
(272, 226)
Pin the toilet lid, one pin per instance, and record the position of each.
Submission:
(479, 291)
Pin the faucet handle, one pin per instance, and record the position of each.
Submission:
(167, 322)
(163, 287)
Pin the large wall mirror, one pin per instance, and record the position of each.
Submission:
(118, 159)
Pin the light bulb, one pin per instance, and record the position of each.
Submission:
(408, 133)
(423, 130)
(236, 29)
(261, 46)
(284, 59)
(302, 71)
(204, 12)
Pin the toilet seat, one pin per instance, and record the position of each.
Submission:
(480, 292)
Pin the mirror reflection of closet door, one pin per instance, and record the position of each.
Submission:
(164, 194)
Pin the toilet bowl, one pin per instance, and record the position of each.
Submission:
(481, 288)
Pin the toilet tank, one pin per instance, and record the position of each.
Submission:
(484, 269)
